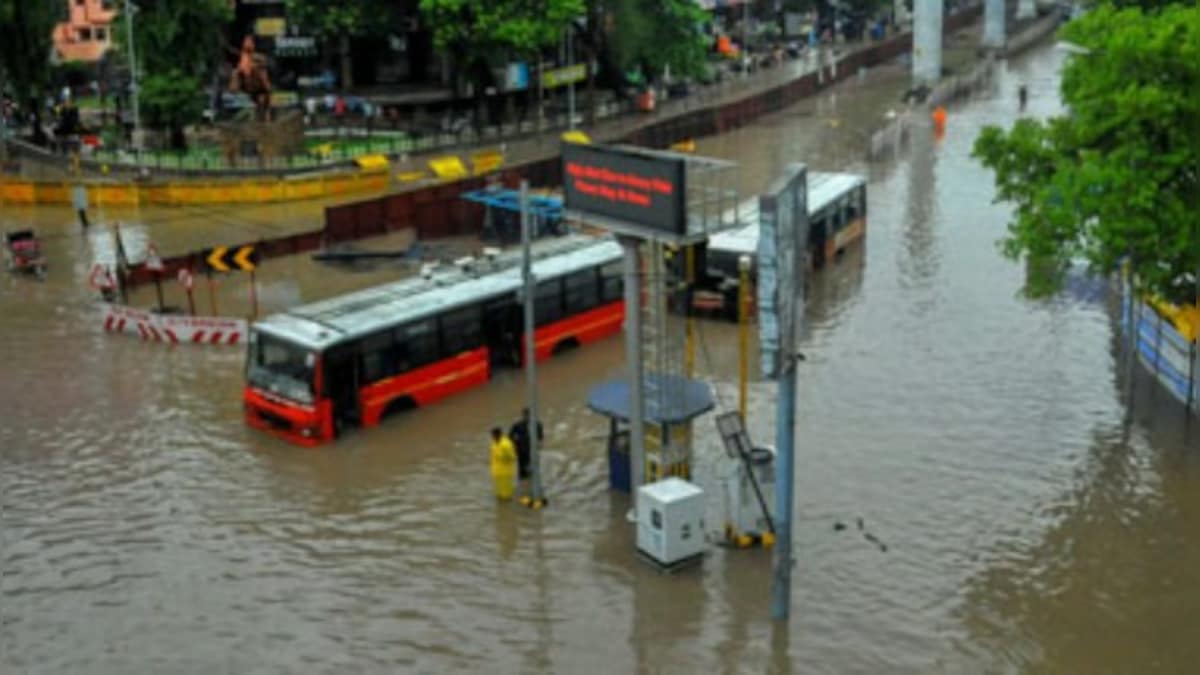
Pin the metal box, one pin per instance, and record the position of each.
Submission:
(670, 521)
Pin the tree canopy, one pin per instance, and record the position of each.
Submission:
(341, 19)
(25, 57)
(654, 35)
(1118, 177)
(485, 29)
(177, 43)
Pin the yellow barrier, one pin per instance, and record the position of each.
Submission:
(577, 137)
(486, 161)
(218, 192)
(448, 167)
(1185, 319)
(373, 163)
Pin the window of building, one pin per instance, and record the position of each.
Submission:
(101, 34)
(85, 34)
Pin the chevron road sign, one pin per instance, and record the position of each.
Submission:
(227, 259)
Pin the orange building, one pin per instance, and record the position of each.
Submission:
(87, 33)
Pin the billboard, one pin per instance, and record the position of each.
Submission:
(782, 239)
(645, 194)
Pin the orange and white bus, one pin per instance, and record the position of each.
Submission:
(318, 369)
(837, 217)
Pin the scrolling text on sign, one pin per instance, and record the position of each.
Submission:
(615, 186)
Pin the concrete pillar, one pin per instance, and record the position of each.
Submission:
(927, 41)
(993, 24)
(1026, 9)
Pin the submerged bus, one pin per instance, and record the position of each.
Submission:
(837, 217)
(318, 369)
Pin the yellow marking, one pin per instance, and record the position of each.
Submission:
(487, 161)
(372, 163)
(215, 259)
(242, 258)
(577, 137)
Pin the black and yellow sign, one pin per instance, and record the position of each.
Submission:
(226, 259)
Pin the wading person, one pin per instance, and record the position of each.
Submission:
(504, 460)
(520, 438)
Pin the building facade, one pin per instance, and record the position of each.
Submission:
(87, 33)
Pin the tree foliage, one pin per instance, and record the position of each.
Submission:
(25, 56)
(654, 35)
(177, 43)
(487, 29)
(338, 20)
(1118, 178)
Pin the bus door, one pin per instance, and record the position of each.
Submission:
(341, 384)
(502, 331)
(817, 235)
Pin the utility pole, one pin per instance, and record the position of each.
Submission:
(535, 463)
(571, 84)
(130, 8)
(746, 38)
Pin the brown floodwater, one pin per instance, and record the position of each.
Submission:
(1034, 522)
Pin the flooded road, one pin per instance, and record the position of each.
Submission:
(981, 435)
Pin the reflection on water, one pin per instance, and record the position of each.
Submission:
(145, 529)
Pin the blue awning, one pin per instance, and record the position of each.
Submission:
(611, 399)
(540, 205)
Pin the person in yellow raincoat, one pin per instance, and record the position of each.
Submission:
(504, 463)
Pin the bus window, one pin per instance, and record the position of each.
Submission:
(837, 216)
(378, 357)
(416, 345)
(581, 291)
(853, 212)
(816, 231)
(611, 282)
(548, 307)
(462, 330)
(281, 367)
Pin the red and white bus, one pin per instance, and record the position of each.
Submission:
(315, 370)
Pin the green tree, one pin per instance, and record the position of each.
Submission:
(338, 21)
(656, 34)
(178, 44)
(25, 56)
(486, 29)
(1118, 177)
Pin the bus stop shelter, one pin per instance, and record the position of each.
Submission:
(664, 421)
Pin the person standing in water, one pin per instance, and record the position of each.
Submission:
(504, 464)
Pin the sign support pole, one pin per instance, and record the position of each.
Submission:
(191, 301)
(785, 432)
(212, 293)
(743, 332)
(633, 356)
(158, 291)
(535, 460)
(253, 296)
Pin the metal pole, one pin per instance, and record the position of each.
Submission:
(571, 84)
(785, 430)
(746, 38)
(530, 346)
(743, 332)
(133, 85)
(633, 355)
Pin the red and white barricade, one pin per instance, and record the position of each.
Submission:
(174, 329)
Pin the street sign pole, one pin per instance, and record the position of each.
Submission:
(253, 297)
(535, 462)
(212, 293)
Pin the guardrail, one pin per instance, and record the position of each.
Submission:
(1165, 352)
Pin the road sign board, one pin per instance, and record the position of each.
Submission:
(783, 236)
(226, 259)
(565, 75)
(154, 261)
(645, 192)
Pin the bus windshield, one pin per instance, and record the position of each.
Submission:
(280, 368)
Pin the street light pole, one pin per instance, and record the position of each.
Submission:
(133, 83)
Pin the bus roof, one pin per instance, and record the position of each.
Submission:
(823, 190)
(324, 323)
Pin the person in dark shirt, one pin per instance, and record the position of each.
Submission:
(520, 438)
